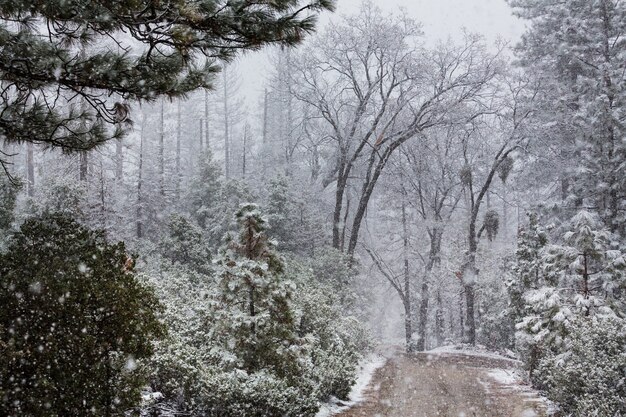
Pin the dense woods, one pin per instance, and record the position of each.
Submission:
(380, 190)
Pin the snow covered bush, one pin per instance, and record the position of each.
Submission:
(184, 244)
(74, 321)
(581, 277)
(588, 379)
(335, 341)
(256, 336)
(572, 334)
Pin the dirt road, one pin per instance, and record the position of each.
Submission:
(442, 385)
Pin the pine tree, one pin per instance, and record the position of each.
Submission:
(48, 66)
(576, 48)
(528, 270)
(255, 318)
(590, 264)
(282, 215)
(582, 277)
(74, 322)
(8, 197)
(184, 244)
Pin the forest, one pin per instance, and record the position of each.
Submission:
(385, 211)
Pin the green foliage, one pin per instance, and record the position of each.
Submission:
(184, 244)
(63, 195)
(46, 47)
(574, 48)
(590, 262)
(299, 347)
(254, 315)
(588, 379)
(292, 223)
(8, 197)
(332, 269)
(491, 224)
(205, 190)
(527, 271)
(335, 341)
(74, 322)
(213, 199)
(567, 284)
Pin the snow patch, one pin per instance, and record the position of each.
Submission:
(505, 377)
(366, 371)
(477, 350)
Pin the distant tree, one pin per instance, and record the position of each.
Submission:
(59, 92)
(74, 320)
(185, 244)
(528, 270)
(376, 88)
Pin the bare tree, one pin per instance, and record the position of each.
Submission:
(432, 183)
(377, 88)
(488, 145)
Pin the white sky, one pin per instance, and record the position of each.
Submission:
(440, 19)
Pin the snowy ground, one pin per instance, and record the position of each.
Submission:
(446, 382)
(364, 378)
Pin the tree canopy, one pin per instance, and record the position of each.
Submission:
(69, 70)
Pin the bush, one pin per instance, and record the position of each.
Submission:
(73, 322)
(589, 379)
(299, 347)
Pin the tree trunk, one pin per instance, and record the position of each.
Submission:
(245, 148)
(119, 161)
(30, 168)
(433, 259)
(178, 139)
(265, 114)
(377, 164)
(201, 136)
(439, 322)
(470, 275)
(162, 152)
(461, 314)
(226, 130)
(83, 165)
(408, 315)
(207, 133)
(342, 180)
(139, 212)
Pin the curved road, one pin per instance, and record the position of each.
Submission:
(442, 385)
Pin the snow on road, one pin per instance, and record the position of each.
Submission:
(358, 393)
(446, 384)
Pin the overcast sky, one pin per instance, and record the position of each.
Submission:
(440, 19)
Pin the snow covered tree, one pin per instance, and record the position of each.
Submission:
(590, 265)
(280, 210)
(582, 277)
(528, 270)
(291, 219)
(375, 87)
(205, 189)
(74, 322)
(212, 199)
(61, 92)
(255, 318)
(576, 49)
(587, 379)
(185, 244)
